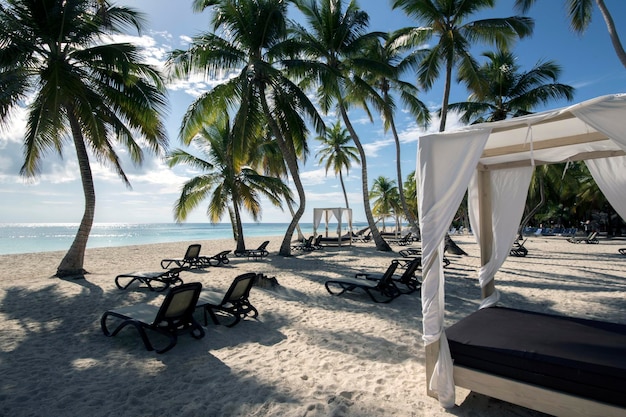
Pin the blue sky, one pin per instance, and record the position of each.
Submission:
(588, 63)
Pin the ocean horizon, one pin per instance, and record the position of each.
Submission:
(46, 237)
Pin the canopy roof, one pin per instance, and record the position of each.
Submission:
(495, 161)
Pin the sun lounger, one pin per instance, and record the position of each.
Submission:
(518, 249)
(192, 259)
(591, 238)
(407, 283)
(380, 291)
(162, 279)
(257, 253)
(235, 302)
(622, 251)
(216, 260)
(172, 318)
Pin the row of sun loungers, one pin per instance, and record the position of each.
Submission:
(381, 289)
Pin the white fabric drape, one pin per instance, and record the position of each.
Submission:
(448, 165)
(509, 189)
(610, 175)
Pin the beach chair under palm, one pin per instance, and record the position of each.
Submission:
(192, 259)
(173, 317)
(155, 281)
(234, 303)
(257, 253)
(380, 291)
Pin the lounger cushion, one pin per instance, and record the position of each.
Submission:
(581, 357)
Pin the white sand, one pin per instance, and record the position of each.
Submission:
(308, 354)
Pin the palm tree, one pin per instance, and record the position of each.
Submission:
(393, 55)
(99, 94)
(386, 198)
(254, 34)
(336, 39)
(229, 183)
(580, 12)
(446, 19)
(503, 90)
(337, 153)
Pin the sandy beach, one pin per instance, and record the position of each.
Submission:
(307, 354)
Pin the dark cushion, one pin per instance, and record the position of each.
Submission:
(578, 356)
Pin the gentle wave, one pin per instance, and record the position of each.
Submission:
(44, 237)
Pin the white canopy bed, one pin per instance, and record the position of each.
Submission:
(495, 162)
(341, 215)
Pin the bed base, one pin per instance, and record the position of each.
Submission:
(532, 396)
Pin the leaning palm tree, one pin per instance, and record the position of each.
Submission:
(254, 32)
(502, 90)
(230, 185)
(394, 55)
(580, 13)
(446, 19)
(336, 39)
(337, 153)
(54, 56)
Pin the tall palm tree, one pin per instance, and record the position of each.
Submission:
(447, 20)
(226, 180)
(337, 153)
(52, 54)
(337, 40)
(386, 198)
(254, 32)
(580, 13)
(502, 90)
(394, 55)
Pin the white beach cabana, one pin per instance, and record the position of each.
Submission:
(495, 162)
(341, 215)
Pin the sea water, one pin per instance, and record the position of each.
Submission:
(45, 237)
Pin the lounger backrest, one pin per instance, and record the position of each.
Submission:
(410, 269)
(318, 240)
(264, 245)
(387, 278)
(179, 303)
(240, 288)
(193, 251)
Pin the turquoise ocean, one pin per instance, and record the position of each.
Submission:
(45, 237)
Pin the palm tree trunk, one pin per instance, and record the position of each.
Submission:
(617, 45)
(343, 187)
(292, 165)
(381, 244)
(73, 261)
(446, 96)
(407, 213)
(298, 229)
(241, 244)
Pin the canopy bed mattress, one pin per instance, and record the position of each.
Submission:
(582, 357)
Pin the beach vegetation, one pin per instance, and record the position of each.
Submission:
(337, 153)
(386, 200)
(226, 180)
(502, 90)
(249, 40)
(396, 56)
(336, 39)
(447, 21)
(57, 59)
(580, 13)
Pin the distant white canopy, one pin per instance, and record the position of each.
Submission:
(495, 161)
(339, 213)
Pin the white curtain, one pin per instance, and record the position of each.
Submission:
(509, 188)
(447, 161)
(610, 175)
